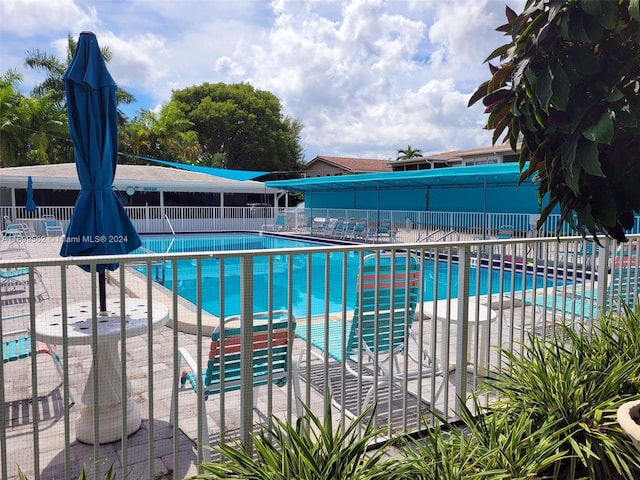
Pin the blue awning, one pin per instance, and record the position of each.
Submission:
(494, 174)
(240, 175)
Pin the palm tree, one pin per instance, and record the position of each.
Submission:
(166, 135)
(54, 69)
(409, 153)
(32, 130)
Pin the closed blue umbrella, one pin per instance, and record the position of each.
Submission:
(30, 206)
(99, 224)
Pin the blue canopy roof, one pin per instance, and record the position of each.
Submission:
(493, 174)
(239, 175)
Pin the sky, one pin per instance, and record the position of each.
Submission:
(365, 78)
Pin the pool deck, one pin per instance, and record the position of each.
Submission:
(51, 425)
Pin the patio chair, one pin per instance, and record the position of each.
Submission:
(383, 231)
(52, 226)
(14, 287)
(273, 335)
(338, 228)
(505, 231)
(17, 345)
(581, 303)
(320, 226)
(306, 226)
(360, 230)
(586, 253)
(279, 225)
(13, 235)
(380, 331)
(349, 229)
(22, 227)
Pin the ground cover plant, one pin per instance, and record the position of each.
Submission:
(312, 449)
(555, 419)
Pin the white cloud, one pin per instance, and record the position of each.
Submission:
(139, 60)
(27, 18)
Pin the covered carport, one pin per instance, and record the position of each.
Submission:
(470, 188)
(407, 194)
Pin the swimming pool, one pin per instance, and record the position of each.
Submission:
(308, 273)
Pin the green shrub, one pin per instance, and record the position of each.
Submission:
(312, 449)
(556, 417)
(446, 453)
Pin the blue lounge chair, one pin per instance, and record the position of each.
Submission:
(321, 226)
(18, 345)
(349, 229)
(52, 227)
(383, 231)
(380, 330)
(279, 225)
(582, 303)
(306, 226)
(22, 227)
(14, 287)
(273, 335)
(360, 230)
(505, 231)
(338, 228)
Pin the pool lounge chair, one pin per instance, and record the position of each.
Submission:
(306, 226)
(505, 231)
(52, 227)
(14, 287)
(349, 229)
(383, 231)
(320, 226)
(18, 345)
(379, 333)
(19, 226)
(581, 304)
(338, 228)
(13, 235)
(280, 225)
(273, 335)
(360, 230)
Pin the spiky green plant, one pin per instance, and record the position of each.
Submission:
(109, 475)
(561, 397)
(313, 449)
(447, 452)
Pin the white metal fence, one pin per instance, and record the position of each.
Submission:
(510, 288)
(156, 219)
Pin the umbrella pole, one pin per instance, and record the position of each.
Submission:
(102, 292)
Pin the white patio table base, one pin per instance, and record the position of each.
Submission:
(105, 361)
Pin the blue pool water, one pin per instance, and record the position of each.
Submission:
(302, 290)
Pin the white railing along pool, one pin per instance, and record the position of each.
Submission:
(511, 288)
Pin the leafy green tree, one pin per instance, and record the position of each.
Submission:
(409, 153)
(54, 68)
(242, 124)
(566, 94)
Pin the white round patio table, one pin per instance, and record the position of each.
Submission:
(481, 312)
(106, 360)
